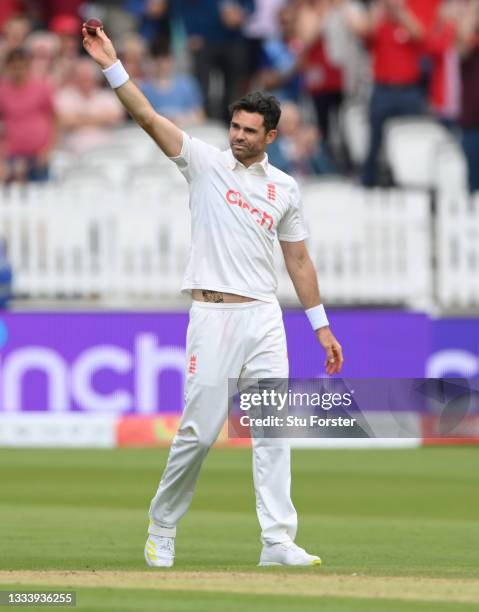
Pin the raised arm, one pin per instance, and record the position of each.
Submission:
(165, 133)
(364, 21)
(359, 20)
(399, 10)
(303, 274)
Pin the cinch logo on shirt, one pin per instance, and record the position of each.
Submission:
(236, 199)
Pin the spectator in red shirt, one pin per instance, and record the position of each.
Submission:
(43, 48)
(394, 36)
(46, 10)
(62, 7)
(426, 11)
(27, 113)
(322, 72)
(324, 81)
(9, 8)
(14, 32)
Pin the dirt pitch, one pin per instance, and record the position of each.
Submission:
(400, 588)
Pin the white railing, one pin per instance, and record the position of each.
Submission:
(457, 250)
(65, 243)
(78, 241)
(370, 246)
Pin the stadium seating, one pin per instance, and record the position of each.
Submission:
(411, 146)
(450, 168)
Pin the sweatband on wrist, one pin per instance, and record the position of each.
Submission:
(317, 317)
(116, 75)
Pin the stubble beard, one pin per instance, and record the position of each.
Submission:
(245, 154)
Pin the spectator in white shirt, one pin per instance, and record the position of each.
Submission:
(87, 112)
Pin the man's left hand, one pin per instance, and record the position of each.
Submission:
(334, 352)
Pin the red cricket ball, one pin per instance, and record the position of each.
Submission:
(91, 25)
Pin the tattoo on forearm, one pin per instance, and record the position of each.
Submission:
(212, 296)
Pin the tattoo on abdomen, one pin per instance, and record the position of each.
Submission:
(212, 296)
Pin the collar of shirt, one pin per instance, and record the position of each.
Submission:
(260, 167)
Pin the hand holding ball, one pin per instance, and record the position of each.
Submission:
(91, 26)
(97, 44)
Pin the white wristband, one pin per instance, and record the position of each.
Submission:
(116, 75)
(317, 317)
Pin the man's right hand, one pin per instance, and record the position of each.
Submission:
(165, 133)
(99, 47)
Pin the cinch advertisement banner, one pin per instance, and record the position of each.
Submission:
(134, 363)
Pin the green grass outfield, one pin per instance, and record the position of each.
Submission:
(396, 529)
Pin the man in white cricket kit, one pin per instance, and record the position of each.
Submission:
(239, 205)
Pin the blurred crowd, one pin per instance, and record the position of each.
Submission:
(192, 58)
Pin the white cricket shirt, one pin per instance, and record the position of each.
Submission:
(236, 215)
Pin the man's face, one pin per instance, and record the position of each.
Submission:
(164, 66)
(248, 138)
(85, 77)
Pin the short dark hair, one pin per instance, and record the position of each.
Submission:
(19, 53)
(160, 48)
(257, 102)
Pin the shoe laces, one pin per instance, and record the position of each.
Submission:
(164, 543)
(292, 546)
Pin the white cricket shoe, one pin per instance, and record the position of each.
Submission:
(286, 553)
(160, 551)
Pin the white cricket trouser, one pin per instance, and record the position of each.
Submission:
(236, 341)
